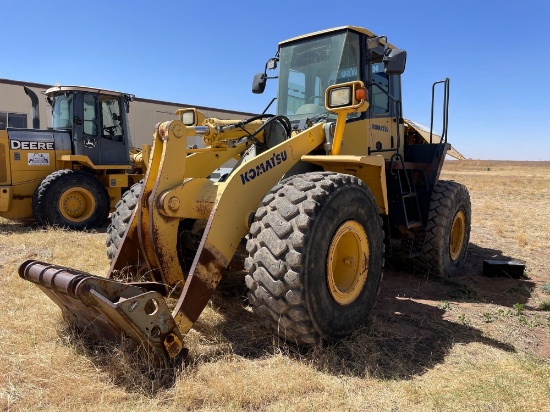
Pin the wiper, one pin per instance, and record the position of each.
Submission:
(310, 121)
(304, 123)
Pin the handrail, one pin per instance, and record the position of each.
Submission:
(446, 89)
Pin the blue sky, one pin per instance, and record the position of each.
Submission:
(497, 54)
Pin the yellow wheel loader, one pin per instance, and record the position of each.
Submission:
(73, 174)
(320, 193)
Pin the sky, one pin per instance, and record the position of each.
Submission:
(496, 53)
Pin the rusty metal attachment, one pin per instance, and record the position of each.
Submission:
(105, 309)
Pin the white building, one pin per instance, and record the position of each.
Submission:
(16, 109)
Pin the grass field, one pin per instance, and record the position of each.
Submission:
(468, 343)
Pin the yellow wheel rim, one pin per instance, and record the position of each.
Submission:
(348, 262)
(457, 235)
(77, 204)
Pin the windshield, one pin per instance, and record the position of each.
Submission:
(63, 111)
(308, 67)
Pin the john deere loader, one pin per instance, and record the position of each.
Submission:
(73, 174)
(321, 192)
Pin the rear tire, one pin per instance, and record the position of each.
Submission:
(298, 280)
(448, 230)
(71, 199)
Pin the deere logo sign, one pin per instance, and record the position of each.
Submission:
(20, 145)
(274, 161)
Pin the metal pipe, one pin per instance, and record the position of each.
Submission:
(35, 112)
(202, 130)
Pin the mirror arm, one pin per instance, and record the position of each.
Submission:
(269, 105)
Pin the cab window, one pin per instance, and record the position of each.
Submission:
(90, 115)
(111, 120)
(379, 100)
(309, 66)
(63, 111)
(380, 103)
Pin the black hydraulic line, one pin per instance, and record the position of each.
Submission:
(269, 105)
(282, 120)
(258, 116)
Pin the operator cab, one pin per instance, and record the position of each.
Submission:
(309, 64)
(96, 119)
(309, 67)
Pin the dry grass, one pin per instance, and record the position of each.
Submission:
(473, 343)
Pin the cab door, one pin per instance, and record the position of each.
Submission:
(385, 96)
(114, 128)
(86, 126)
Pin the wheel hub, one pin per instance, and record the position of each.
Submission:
(347, 262)
(77, 204)
(457, 235)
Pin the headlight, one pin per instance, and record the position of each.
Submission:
(188, 118)
(339, 97)
(346, 97)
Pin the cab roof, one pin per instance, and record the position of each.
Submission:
(60, 89)
(335, 29)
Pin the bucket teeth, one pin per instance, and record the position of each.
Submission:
(107, 309)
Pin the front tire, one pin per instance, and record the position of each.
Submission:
(120, 219)
(316, 256)
(71, 199)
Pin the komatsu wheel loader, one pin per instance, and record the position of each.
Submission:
(73, 174)
(320, 193)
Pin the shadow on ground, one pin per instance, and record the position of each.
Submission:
(11, 227)
(470, 285)
(407, 334)
(126, 365)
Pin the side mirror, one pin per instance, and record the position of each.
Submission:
(258, 85)
(394, 61)
(373, 43)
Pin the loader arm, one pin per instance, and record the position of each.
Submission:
(236, 200)
(227, 206)
(175, 187)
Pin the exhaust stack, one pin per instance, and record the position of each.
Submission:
(35, 112)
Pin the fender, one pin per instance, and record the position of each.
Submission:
(370, 169)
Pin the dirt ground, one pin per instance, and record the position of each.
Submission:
(510, 222)
(467, 343)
